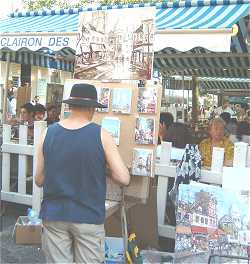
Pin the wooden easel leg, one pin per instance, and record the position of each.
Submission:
(124, 226)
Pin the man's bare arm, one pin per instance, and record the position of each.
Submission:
(119, 171)
(39, 175)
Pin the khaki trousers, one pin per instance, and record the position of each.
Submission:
(64, 242)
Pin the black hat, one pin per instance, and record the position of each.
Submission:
(83, 94)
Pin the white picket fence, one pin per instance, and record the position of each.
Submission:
(163, 169)
(23, 150)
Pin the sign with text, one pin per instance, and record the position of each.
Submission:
(35, 42)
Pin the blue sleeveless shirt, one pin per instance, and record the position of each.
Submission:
(74, 188)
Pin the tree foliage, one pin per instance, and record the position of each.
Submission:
(34, 5)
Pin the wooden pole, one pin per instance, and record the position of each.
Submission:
(183, 98)
(195, 100)
(6, 84)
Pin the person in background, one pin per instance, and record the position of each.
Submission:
(225, 108)
(26, 118)
(179, 135)
(72, 160)
(39, 112)
(242, 134)
(231, 124)
(217, 138)
(35, 101)
(166, 120)
(11, 103)
(52, 115)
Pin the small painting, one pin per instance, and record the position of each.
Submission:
(144, 130)
(142, 162)
(103, 95)
(112, 125)
(147, 100)
(211, 221)
(121, 100)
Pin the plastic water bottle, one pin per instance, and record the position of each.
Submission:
(33, 217)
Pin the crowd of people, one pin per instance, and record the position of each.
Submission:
(30, 112)
(225, 127)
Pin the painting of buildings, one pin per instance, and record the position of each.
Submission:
(142, 162)
(121, 100)
(113, 126)
(112, 46)
(144, 130)
(211, 220)
(147, 100)
(103, 95)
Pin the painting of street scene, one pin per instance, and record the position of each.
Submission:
(211, 220)
(115, 44)
(142, 162)
(144, 130)
(121, 100)
(103, 95)
(112, 125)
(147, 100)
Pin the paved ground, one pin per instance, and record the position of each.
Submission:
(10, 252)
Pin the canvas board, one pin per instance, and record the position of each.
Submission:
(138, 187)
(142, 162)
(112, 46)
(113, 126)
(147, 100)
(121, 100)
(145, 130)
(211, 220)
(103, 95)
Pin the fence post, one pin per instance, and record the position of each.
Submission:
(6, 159)
(22, 160)
(163, 183)
(39, 127)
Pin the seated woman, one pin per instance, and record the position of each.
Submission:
(217, 138)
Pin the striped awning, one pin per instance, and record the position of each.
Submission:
(201, 17)
(198, 14)
(39, 58)
(227, 86)
(187, 14)
(203, 63)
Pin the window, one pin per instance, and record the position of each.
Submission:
(197, 218)
(202, 220)
(206, 221)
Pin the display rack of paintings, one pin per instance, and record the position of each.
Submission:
(103, 95)
(211, 220)
(121, 101)
(144, 130)
(112, 125)
(142, 162)
(135, 132)
(147, 100)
